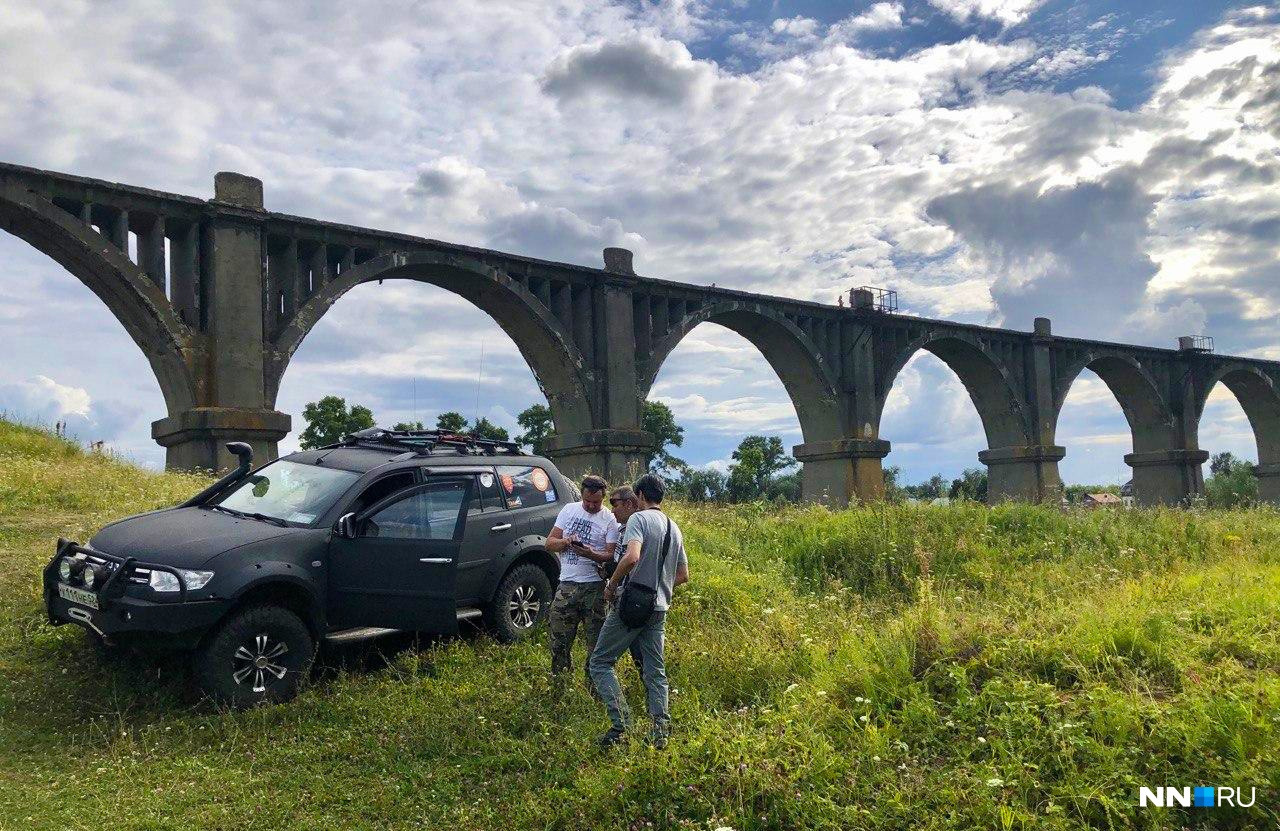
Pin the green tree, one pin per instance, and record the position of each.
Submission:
(408, 425)
(658, 419)
(451, 422)
(784, 487)
(892, 490)
(329, 420)
(757, 459)
(700, 485)
(1232, 482)
(972, 485)
(486, 429)
(536, 423)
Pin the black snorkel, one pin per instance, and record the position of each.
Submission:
(244, 453)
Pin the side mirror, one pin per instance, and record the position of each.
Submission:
(346, 527)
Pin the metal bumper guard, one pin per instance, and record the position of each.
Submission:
(118, 613)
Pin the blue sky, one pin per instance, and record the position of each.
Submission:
(1111, 166)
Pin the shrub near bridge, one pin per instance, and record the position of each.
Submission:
(885, 667)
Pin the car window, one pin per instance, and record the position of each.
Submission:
(488, 494)
(526, 486)
(430, 514)
(382, 488)
(288, 490)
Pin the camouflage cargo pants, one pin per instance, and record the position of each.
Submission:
(574, 604)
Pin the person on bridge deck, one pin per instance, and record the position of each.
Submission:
(584, 535)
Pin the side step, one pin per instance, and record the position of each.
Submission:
(361, 633)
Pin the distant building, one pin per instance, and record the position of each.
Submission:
(1102, 500)
(1126, 493)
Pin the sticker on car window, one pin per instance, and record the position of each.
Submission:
(539, 478)
(486, 480)
(551, 496)
(299, 516)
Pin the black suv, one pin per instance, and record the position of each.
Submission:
(408, 530)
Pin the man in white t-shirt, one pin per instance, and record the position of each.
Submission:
(584, 534)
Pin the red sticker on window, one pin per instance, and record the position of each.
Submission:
(540, 479)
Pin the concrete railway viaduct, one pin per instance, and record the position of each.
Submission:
(219, 294)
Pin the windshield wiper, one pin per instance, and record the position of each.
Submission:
(274, 520)
(246, 515)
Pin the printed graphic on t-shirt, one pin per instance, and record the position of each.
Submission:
(588, 532)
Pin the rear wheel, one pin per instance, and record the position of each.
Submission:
(522, 601)
(262, 653)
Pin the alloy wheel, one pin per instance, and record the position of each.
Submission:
(524, 606)
(257, 661)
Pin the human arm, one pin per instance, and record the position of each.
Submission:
(556, 540)
(625, 565)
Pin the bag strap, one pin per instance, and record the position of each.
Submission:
(662, 560)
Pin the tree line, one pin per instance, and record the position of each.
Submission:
(761, 468)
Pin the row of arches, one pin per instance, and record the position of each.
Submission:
(829, 406)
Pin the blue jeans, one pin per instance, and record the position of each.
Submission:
(616, 638)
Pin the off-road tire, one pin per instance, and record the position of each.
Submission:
(227, 666)
(505, 617)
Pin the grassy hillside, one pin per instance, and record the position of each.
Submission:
(901, 667)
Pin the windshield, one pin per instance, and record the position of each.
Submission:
(288, 491)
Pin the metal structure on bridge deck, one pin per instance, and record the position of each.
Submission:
(219, 294)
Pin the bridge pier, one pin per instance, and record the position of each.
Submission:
(1167, 477)
(838, 472)
(195, 439)
(1023, 474)
(620, 456)
(1268, 482)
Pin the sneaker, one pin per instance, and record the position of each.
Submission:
(610, 738)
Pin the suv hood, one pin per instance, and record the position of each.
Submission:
(182, 537)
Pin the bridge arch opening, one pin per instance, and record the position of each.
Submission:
(1240, 414)
(1094, 429)
(371, 350)
(486, 302)
(935, 430)
(134, 300)
(1152, 428)
(993, 394)
(720, 390)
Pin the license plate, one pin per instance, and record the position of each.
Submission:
(84, 598)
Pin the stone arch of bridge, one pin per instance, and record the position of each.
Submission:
(139, 304)
(556, 363)
(1259, 397)
(1151, 420)
(789, 352)
(998, 400)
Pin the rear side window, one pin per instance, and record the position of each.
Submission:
(488, 494)
(526, 486)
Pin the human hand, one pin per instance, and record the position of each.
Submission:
(610, 592)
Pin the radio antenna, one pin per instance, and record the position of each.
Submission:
(479, 375)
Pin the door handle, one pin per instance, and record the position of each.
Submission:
(435, 559)
(506, 526)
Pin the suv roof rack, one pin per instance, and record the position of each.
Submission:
(423, 442)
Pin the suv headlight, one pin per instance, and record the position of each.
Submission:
(163, 581)
(64, 569)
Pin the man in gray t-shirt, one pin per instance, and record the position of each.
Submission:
(646, 562)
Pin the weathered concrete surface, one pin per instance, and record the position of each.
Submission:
(223, 292)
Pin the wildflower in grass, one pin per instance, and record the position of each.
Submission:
(995, 782)
(791, 688)
(981, 740)
(875, 758)
(864, 719)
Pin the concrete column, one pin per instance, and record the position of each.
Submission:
(1167, 477)
(619, 451)
(1023, 474)
(836, 473)
(233, 401)
(151, 254)
(1268, 483)
(617, 455)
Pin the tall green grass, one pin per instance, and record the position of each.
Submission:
(884, 667)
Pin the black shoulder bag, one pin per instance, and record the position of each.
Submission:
(635, 607)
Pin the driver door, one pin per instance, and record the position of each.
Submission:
(400, 570)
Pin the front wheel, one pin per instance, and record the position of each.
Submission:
(262, 653)
(522, 601)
